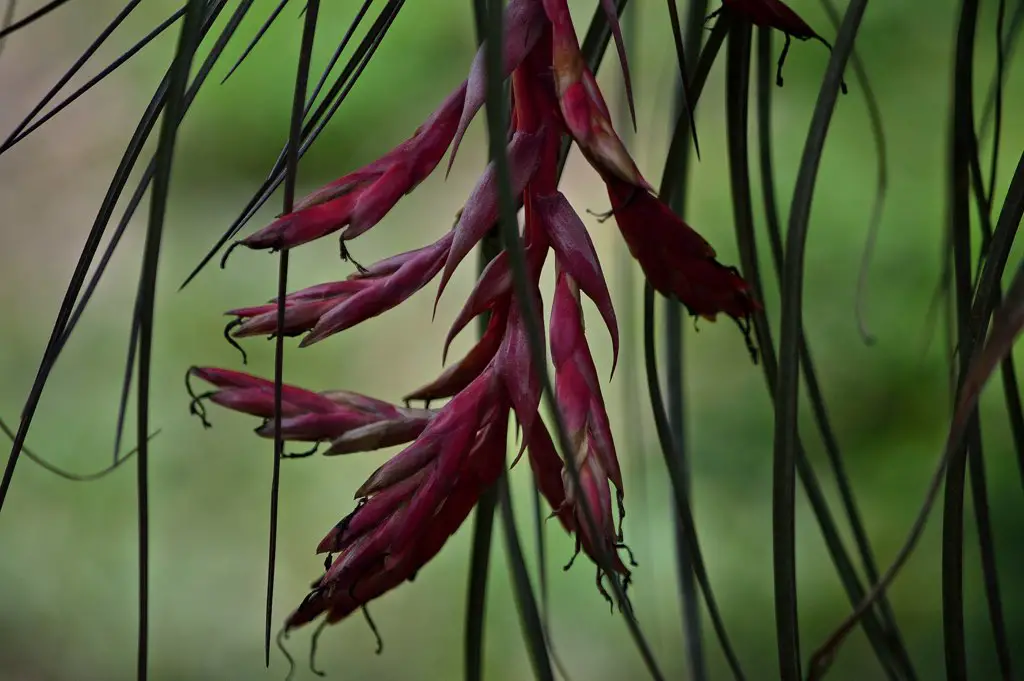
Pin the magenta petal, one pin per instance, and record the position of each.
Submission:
(399, 467)
(377, 435)
(343, 185)
(481, 210)
(457, 376)
(378, 199)
(566, 325)
(547, 469)
(455, 447)
(389, 265)
(252, 401)
(383, 295)
(331, 289)
(363, 403)
(576, 254)
(604, 444)
(298, 318)
(316, 427)
(368, 516)
(231, 381)
(523, 21)
(494, 282)
(515, 364)
(303, 226)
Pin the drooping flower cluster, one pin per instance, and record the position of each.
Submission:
(414, 502)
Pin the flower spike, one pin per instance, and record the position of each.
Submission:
(409, 507)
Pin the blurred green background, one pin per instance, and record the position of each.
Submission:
(68, 551)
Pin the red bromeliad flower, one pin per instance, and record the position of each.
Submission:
(420, 497)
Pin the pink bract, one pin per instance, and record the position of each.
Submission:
(410, 506)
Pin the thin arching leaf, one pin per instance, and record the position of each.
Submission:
(188, 42)
(65, 474)
(963, 149)
(107, 206)
(688, 50)
(786, 403)
(684, 73)
(476, 597)
(679, 489)
(129, 212)
(13, 26)
(1005, 328)
(681, 131)
(7, 20)
(291, 174)
(497, 134)
(75, 68)
(881, 176)
(271, 18)
(884, 633)
(529, 613)
(316, 121)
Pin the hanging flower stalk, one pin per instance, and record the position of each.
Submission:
(414, 502)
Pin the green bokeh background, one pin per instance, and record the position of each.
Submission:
(68, 552)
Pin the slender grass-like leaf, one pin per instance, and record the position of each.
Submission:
(680, 141)
(28, 126)
(274, 14)
(737, 111)
(483, 515)
(881, 177)
(1007, 43)
(1006, 326)
(975, 460)
(998, 105)
(188, 42)
(107, 206)
(7, 20)
(338, 51)
(12, 26)
(497, 131)
(886, 631)
(476, 598)
(529, 614)
(140, 191)
(599, 33)
(317, 121)
(996, 246)
(75, 68)
(786, 414)
(291, 174)
(675, 196)
(684, 73)
(679, 490)
(986, 542)
(625, 303)
(64, 473)
(963, 148)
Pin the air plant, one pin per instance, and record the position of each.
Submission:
(419, 498)
(455, 430)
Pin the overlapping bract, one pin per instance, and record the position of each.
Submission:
(414, 502)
